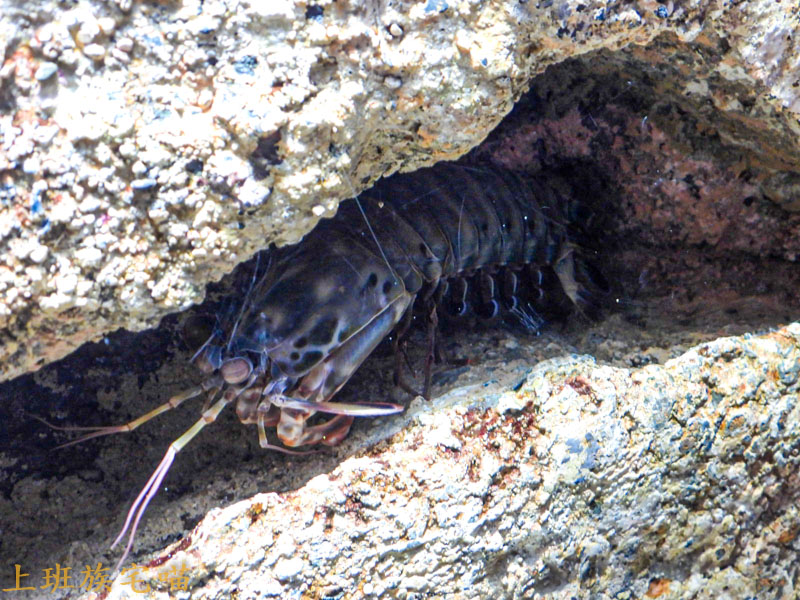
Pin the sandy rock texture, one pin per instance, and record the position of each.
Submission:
(147, 147)
(673, 480)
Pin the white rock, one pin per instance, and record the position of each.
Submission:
(288, 568)
(88, 31)
(66, 284)
(107, 25)
(39, 253)
(94, 51)
(46, 70)
(274, 9)
(125, 44)
(90, 256)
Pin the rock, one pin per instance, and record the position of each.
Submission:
(588, 480)
(655, 469)
(288, 107)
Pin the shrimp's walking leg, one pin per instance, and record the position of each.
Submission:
(433, 326)
(400, 353)
(268, 417)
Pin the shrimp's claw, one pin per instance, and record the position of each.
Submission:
(293, 432)
(354, 409)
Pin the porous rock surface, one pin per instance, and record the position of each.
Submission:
(147, 147)
(674, 480)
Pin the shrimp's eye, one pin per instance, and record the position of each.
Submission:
(236, 370)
